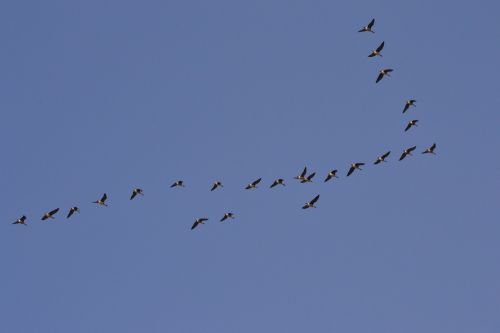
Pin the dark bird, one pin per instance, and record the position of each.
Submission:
(199, 221)
(311, 203)
(411, 123)
(383, 73)
(135, 192)
(227, 216)
(430, 150)
(278, 181)
(377, 51)
(50, 214)
(331, 174)
(72, 210)
(253, 184)
(216, 185)
(410, 102)
(179, 183)
(407, 152)
(368, 28)
(302, 176)
(354, 166)
(102, 201)
(309, 178)
(21, 220)
(382, 158)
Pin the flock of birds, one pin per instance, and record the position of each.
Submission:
(303, 177)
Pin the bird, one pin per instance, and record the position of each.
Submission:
(309, 178)
(72, 210)
(278, 181)
(50, 214)
(135, 192)
(199, 221)
(382, 158)
(179, 183)
(430, 150)
(368, 28)
(216, 185)
(407, 152)
(383, 73)
(21, 220)
(353, 167)
(377, 51)
(102, 201)
(331, 174)
(410, 124)
(410, 102)
(302, 176)
(311, 203)
(253, 184)
(227, 216)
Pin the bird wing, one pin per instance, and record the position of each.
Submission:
(223, 218)
(403, 155)
(274, 184)
(412, 148)
(311, 176)
(104, 197)
(214, 187)
(71, 211)
(257, 181)
(433, 146)
(408, 126)
(372, 22)
(52, 212)
(195, 224)
(313, 201)
(380, 47)
(303, 174)
(379, 77)
(351, 170)
(386, 154)
(377, 161)
(203, 219)
(328, 178)
(134, 193)
(407, 106)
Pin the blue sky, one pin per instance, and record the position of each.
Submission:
(105, 96)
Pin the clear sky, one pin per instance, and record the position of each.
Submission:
(104, 96)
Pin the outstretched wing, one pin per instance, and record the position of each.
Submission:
(104, 197)
(380, 47)
(313, 201)
(370, 25)
(303, 174)
(379, 77)
(256, 181)
(351, 170)
(52, 212)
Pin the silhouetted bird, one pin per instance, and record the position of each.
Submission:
(227, 216)
(410, 102)
(72, 210)
(302, 176)
(216, 185)
(199, 221)
(430, 150)
(382, 158)
(135, 192)
(21, 220)
(331, 174)
(311, 203)
(309, 178)
(383, 73)
(102, 201)
(50, 214)
(354, 166)
(179, 183)
(407, 152)
(377, 51)
(278, 181)
(410, 124)
(368, 28)
(253, 184)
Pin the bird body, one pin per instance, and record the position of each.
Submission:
(199, 221)
(377, 51)
(253, 184)
(278, 181)
(368, 28)
(102, 201)
(179, 183)
(382, 158)
(72, 210)
(135, 192)
(21, 220)
(430, 150)
(216, 185)
(383, 73)
(227, 216)
(410, 102)
(407, 152)
(309, 178)
(354, 166)
(50, 214)
(411, 123)
(310, 204)
(302, 175)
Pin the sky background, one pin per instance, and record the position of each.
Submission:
(104, 96)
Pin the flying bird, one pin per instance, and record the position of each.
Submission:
(278, 181)
(377, 51)
(50, 214)
(302, 176)
(253, 184)
(331, 174)
(179, 183)
(311, 203)
(135, 192)
(354, 166)
(410, 102)
(227, 216)
(216, 185)
(199, 221)
(102, 201)
(309, 178)
(368, 28)
(407, 152)
(383, 73)
(430, 150)
(72, 210)
(21, 220)
(382, 158)
(410, 124)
